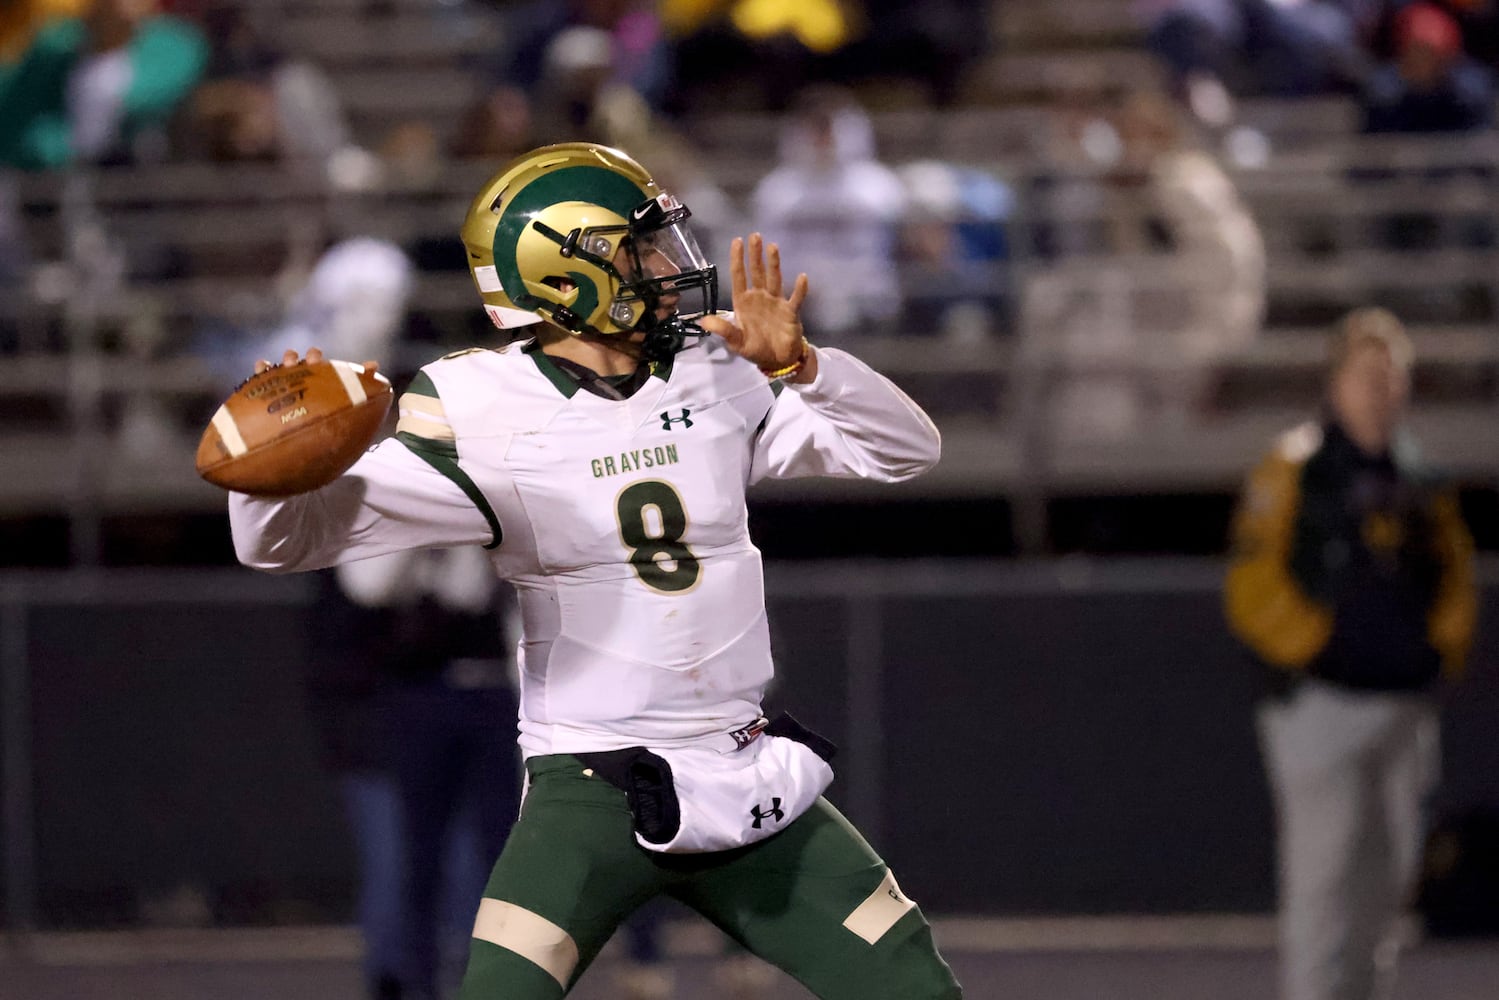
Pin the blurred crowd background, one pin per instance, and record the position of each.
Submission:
(1101, 241)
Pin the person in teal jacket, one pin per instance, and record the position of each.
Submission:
(88, 85)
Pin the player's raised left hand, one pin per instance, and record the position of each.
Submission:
(766, 328)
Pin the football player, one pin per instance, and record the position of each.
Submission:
(603, 462)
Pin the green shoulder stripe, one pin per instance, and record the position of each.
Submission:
(421, 384)
(443, 456)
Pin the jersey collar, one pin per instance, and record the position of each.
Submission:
(568, 383)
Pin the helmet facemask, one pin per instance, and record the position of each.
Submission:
(650, 258)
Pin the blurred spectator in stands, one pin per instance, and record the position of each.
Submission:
(1065, 191)
(758, 54)
(99, 87)
(1213, 244)
(1287, 48)
(352, 303)
(349, 705)
(352, 297)
(834, 207)
(20, 20)
(1351, 582)
(1479, 20)
(261, 104)
(576, 91)
(410, 156)
(1431, 85)
(595, 68)
(953, 247)
(409, 690)
(579, 94)
(87, 83)
(749, 55)
(932, 43)
(1135, 330)
(429, 624)
(409, 681)
(638, 56)
(496, 126)
(577, 79)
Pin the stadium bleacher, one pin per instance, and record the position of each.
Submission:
(199, 243)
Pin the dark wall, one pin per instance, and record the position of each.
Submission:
(1038, 744)
(173, 749)
(1053, 752)
(1102, 754)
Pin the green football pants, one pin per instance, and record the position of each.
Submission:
(814, 900)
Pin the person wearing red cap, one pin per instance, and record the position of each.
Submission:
(1431, 85)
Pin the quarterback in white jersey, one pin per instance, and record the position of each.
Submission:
(604, 465)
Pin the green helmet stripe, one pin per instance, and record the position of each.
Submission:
(588, 294)
(594, 185)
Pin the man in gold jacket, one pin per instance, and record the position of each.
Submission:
(1351, 580)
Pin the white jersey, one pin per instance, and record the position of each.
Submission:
(622, 524)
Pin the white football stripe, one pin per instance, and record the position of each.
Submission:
(348, 374)
(228, 430)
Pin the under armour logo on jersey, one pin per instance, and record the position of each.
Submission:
(667, 419)
(774, 812)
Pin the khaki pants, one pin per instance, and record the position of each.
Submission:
(1350, 772)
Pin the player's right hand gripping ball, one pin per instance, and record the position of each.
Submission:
(293, 428)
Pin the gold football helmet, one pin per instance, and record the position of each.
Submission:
(581, 236)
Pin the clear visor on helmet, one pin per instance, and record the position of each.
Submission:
(667, 252)
(663, 262)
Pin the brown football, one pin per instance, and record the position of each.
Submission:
(293, 428)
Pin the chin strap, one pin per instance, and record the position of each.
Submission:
(666, 338)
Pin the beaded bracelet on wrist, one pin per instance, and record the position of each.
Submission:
(791, 369)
